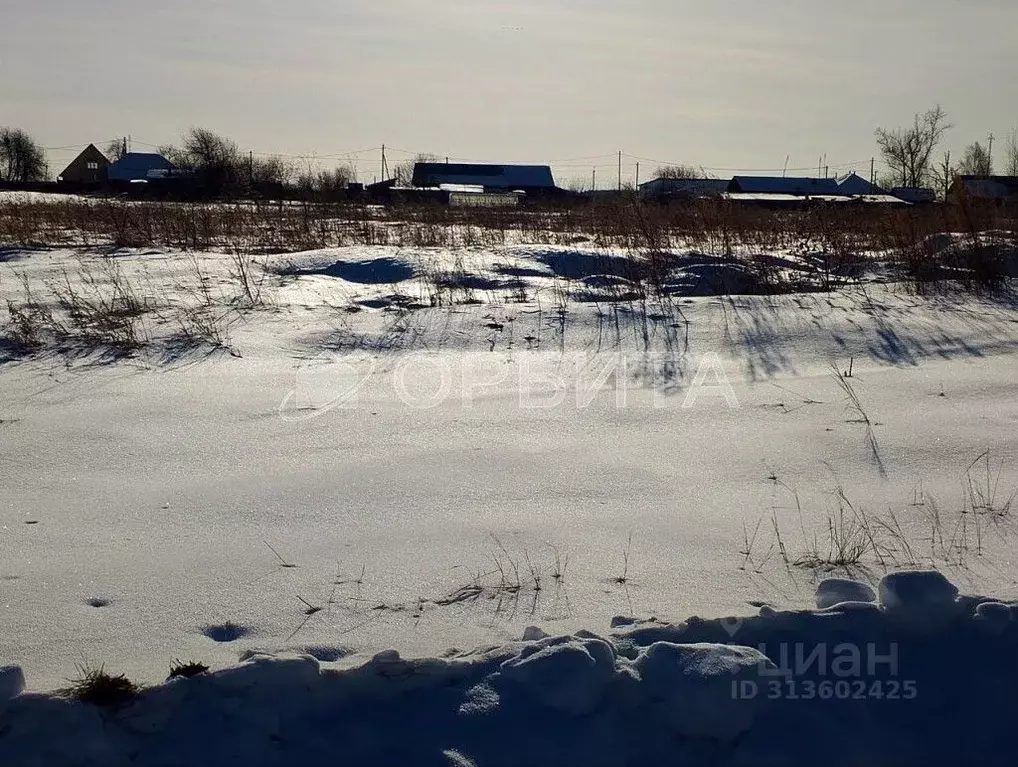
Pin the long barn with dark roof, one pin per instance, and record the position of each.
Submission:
(493, 178)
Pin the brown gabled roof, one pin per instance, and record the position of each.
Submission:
(79, 165)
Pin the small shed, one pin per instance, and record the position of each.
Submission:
(89, 167)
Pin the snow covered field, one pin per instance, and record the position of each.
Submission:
(342, 452)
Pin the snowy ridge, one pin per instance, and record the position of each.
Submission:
(909, 679)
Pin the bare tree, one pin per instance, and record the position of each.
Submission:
(975, 161)
(21, 159)
(116, 149)
(1011, 153)
(908, 152)
(270, 171)
(403, 172)
(679, 172)
(215, 159)
(943, 174)
(577, 185)
(337, 179)
(328, 183)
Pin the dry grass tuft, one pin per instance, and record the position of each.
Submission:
(98, 688)
(182, 670)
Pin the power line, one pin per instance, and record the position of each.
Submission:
(79, 146)
(745, 170)
(599, 162)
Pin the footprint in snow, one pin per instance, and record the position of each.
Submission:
(326, 653)
(226, 632)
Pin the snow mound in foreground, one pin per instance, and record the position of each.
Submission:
(923, 677)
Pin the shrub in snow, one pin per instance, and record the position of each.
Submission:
(564, 673)
(12, 683)
(919, 601)
(834, 591)
(691, 687)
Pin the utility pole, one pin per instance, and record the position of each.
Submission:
(620, 171)
(873, 171)
(637, 176)
(989, 157)
(593, 178)
(385, 168)
(250, 169)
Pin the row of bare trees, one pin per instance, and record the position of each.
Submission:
(224, 169)
(909, 153)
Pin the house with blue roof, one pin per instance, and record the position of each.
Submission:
(799, 187)
(852, 184)
(139, 166)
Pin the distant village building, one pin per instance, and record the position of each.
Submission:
(914, 194)
(799, 187)
(664, 189)
(490, 178)
(89, 167)
(995, 188)
(139, 166)
(853, 184)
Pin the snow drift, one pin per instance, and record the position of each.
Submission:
(914, 674)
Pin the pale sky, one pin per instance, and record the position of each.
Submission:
(726, 84)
